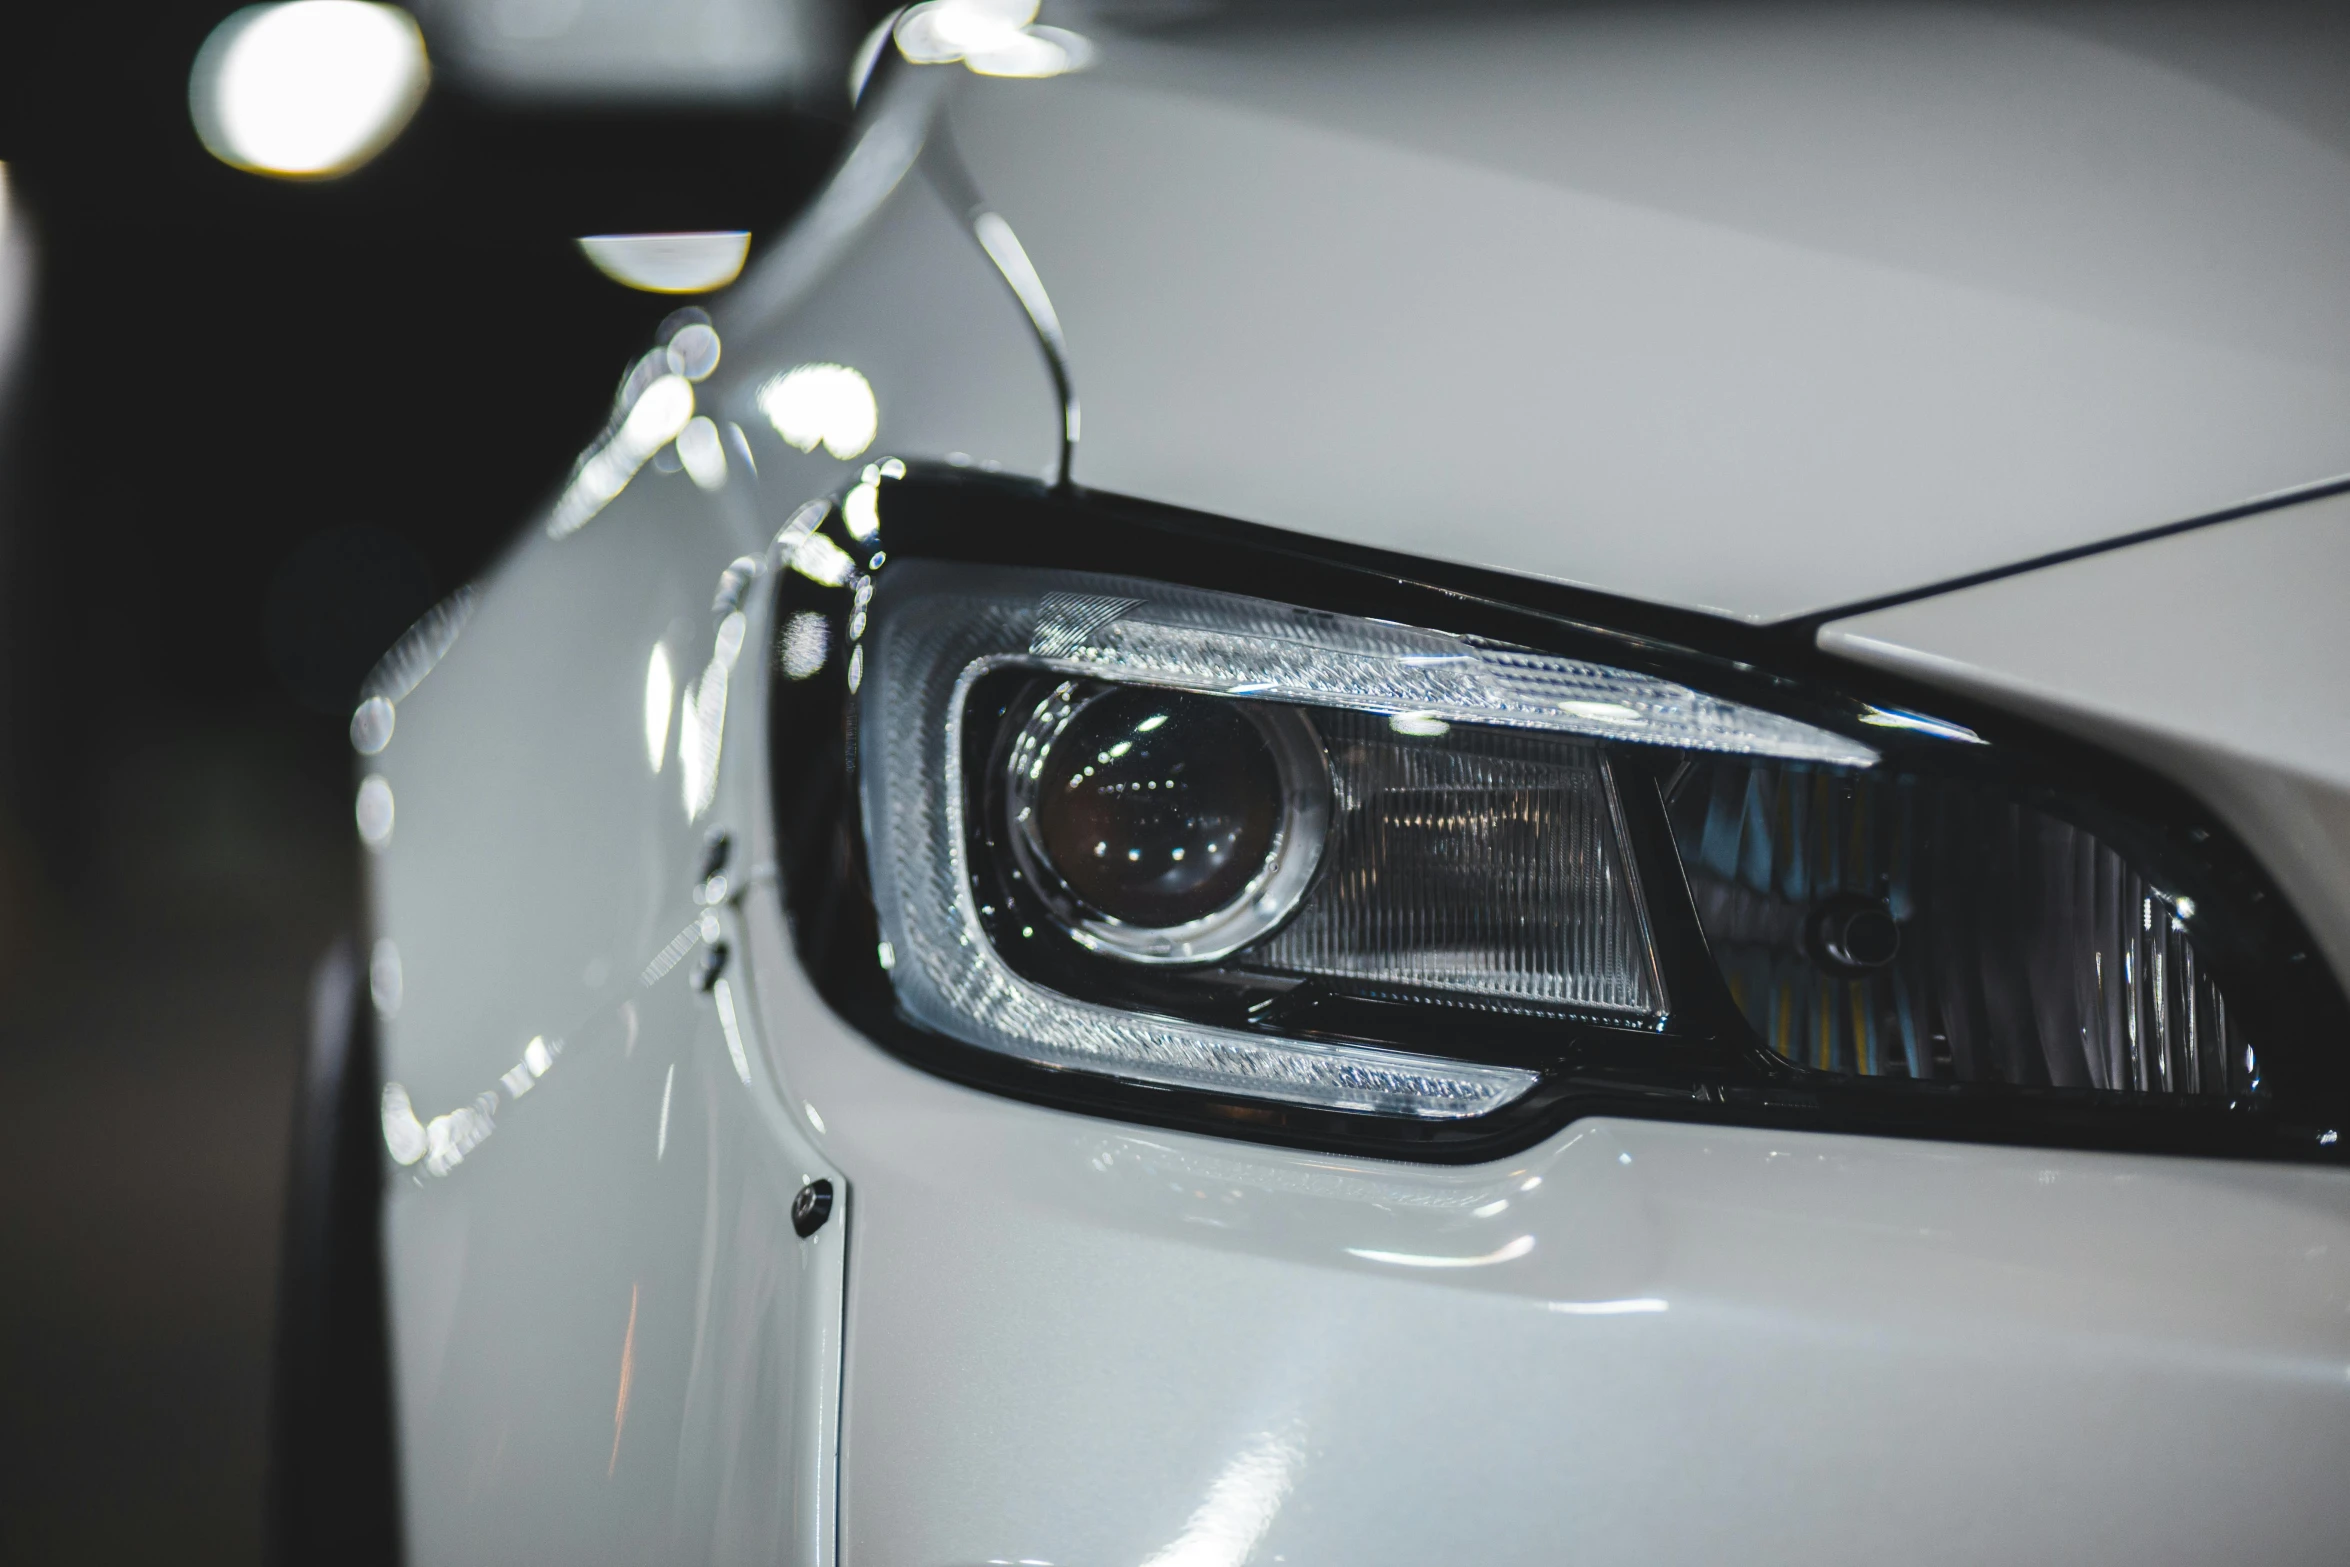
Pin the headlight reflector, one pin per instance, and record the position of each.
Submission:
(1481, 867)
(1889, 924)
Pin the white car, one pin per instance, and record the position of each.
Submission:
(1639, 853)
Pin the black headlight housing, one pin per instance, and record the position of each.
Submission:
(1991, 933)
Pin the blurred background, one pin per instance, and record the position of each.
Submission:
(259, 409)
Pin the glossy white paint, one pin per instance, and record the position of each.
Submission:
(1757, 310)
(2216, 656)
(882, 275)
(1029, 1335)
(610, 1345)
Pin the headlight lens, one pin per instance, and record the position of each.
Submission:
(1198, 855)
(1164, 827)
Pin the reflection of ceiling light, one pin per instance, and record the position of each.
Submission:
(660, 697)
(307, 90)
(991, 37)
(831, 404)
(670, 263)
(702, 452)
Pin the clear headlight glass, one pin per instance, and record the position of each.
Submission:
(1260, 796)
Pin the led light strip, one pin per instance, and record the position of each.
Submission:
(1214, 642)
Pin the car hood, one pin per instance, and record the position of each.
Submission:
(1760, 311)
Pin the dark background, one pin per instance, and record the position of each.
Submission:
(255, 428)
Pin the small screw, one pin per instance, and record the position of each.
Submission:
(715, 850)
(811, 1208)
(712, 965)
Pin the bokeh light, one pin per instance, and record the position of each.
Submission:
(310, 89)
(822, 403)
(670, 263)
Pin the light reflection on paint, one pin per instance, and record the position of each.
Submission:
(627, 1377)
(672, 954)
(1240, 1506)
(989, 37)
(740, 444)
(1639, 1306)
(820, 560)
(538, 1058)
(660, 698)
(822, 404)
(420, 649)
(733, 583)
(703, 453)
(731, 1026)
(1509, 1251)
(371, 725)
(804, 520)
(702, 732)
(661, 1137)
(660, 412)
(372, 810)
(444, 1142)
(693, 348)
(385, 980)
(655, 416)
(860, 509)
(403, 1133)
(449, 1138)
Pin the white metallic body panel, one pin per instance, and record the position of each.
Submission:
(609, 1344)
(1760, 311)
(1028, 1335)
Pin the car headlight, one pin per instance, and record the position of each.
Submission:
(1380, 862)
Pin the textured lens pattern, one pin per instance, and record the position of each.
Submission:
(1219, 642)
(2024, 951)
(1487, 865)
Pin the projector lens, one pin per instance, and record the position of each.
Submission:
(1162, 825)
